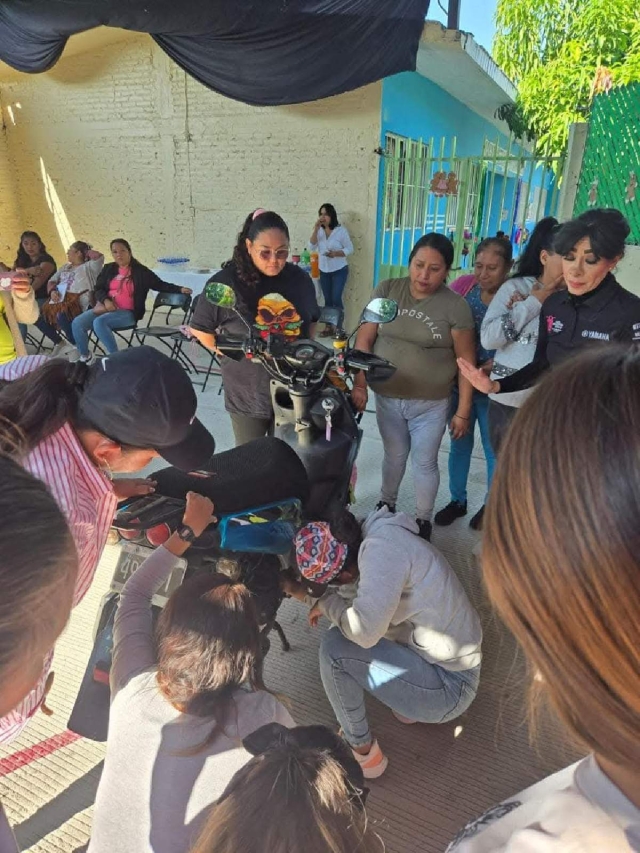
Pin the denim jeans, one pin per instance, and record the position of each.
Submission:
(41, 324)
(333, 285)
(397, 676)
(102, 325)
(462, 448)
(416, 427)
(65, 325)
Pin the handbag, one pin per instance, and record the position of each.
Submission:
(70, 306)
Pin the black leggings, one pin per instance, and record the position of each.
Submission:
(500, 417)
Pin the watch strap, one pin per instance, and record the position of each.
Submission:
(186, 533)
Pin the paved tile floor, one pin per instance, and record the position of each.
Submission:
(438, 777)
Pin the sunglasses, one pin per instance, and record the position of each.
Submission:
(280, 255)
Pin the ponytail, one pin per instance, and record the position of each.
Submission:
(529, 265)
(40, 403)
(258, 221)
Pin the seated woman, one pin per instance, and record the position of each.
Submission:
(17, 305)
(78, 425)
(561, 563)
(38, 574)
(33, 258)
(408, 612)
(302, 791)
(182, 701)
(71, 288)
(121, 295)
(257, 270)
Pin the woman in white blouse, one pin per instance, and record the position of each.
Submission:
(333, 244)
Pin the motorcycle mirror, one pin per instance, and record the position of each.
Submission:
(220, 294)
(380, 311)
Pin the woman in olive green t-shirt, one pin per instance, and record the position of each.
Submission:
(434, 327)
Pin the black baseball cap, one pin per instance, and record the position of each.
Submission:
(141, 397)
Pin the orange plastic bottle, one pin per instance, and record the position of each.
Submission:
(315, 265)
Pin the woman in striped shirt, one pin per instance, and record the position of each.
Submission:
(78, 425)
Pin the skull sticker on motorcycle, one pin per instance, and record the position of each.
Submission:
(277, 316)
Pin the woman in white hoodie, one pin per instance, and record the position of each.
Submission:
(405, 611)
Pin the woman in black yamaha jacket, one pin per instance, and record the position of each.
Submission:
(594, 309)
(121, 294)
(272, 295)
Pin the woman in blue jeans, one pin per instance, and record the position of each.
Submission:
(121, 294)
(404, 631)
(333, 244)
(492, 266)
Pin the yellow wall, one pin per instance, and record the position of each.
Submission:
(9, 208)
(120, 141)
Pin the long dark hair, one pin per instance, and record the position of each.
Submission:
(330, 209)
(541, 239)
(574, 604)
(22, 258)
(38, 560)
(346, 528)
(606, 228)
(40, 403)
(208, 642)
(246, 271)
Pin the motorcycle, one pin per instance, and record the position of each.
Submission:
(262, 491)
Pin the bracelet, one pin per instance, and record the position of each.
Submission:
(461, 418)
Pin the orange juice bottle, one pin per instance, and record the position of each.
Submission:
(315, 265)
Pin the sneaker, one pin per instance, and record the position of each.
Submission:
(86, 359)
(424, 529)
(374, 763)
(449, 514)
(73, 354)
(476, 521)
(407, 721)
(383, 504)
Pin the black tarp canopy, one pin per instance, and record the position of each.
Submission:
(263, 53)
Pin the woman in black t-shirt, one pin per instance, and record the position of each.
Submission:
(271, 294)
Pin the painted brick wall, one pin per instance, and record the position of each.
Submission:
(9, 211)
(122, 142)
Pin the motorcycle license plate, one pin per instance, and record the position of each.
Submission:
(130, 560)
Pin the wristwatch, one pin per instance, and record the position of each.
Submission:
(186, 533)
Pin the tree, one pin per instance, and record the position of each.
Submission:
(560, 53)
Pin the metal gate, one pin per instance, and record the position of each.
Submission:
(427, 187)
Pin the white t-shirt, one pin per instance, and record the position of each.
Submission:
(577, 810)
(337, 241)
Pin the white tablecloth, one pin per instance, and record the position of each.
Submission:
(185, 278)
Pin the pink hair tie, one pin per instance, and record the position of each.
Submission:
(258, 212)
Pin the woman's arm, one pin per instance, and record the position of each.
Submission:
(503, 323)
(41, 274)
(464, 345)
(53, 281)
(154, 282)
(102, 284)
(345, 242)
(367, 618)
(313, 240)
(365, 341)
(133, 644)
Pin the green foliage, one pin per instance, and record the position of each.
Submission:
(554, 49)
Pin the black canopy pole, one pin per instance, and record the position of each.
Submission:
(453, 18)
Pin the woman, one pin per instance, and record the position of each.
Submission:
(17, 305)
(434, 327)
(78, 425)
(182, 711)
(302, 791)
(510, 326)
(408, 614)
(492, 266)
(574, 603)
(33, 258)
(257, 271)
(121, 295)
(37, 580)
(594, 310)
(71, 288)
(333, 244)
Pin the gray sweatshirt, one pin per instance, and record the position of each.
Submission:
(408, 593)
(152, 797)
